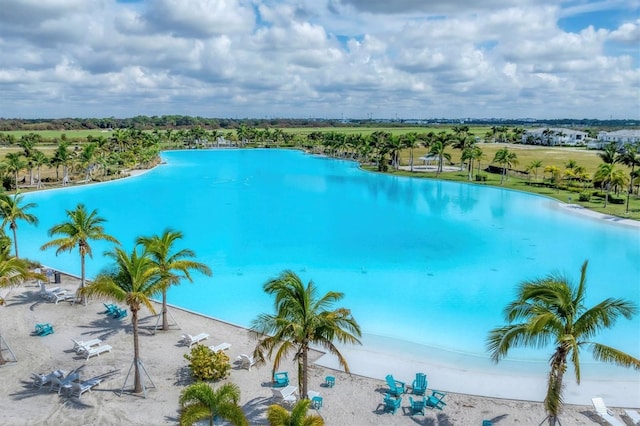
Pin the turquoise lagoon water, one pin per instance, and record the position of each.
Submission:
(427, 262)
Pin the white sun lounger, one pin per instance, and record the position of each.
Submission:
(606, 414)
(221, 347)
(80, 347)
(634, 416)
(97, 350)
(285, 395)
(40, 380)
(190, 340)
(77, 389)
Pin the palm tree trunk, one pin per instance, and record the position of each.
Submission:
(14, 228)
(305, 366)
(165, 322)
(137, 383)
(82, 273)
(411, 155)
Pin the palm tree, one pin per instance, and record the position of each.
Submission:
(39, 159)
(301, 319)
(81, 228)
(11, 210)
(279, 416)
(173, 266)
(13, 272)
(609, 153)
(439, 144)
(410, 140)
(14, 165)
(630, 158)
(200, 402)
(551, 310)
(535, 165)
(506, 159)
(133, 280)
(608, 176)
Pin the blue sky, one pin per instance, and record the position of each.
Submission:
(320, 58)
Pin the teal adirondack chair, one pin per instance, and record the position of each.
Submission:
(417, 406)
(281, 379)
(396, 387)
(120, 313)
(44, 329)
(419, 385)
(435, 400)
(391, 403)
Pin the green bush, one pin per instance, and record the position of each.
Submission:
(206, 364)
(584, 196)
(481, 178)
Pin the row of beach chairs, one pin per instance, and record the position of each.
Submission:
(69, 384)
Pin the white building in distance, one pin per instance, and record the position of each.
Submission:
(554, 136)
(619, 137)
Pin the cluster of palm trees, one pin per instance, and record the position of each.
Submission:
(124, 149)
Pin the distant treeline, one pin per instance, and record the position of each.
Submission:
(144, 122)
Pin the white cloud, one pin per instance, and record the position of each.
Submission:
(303, 58)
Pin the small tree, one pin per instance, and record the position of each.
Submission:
(206, 364)
(200, 402)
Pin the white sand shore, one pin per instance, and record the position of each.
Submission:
(355, 400)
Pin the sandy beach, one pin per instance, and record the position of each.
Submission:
(354, 400)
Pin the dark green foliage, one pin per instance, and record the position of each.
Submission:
(584, 196)
(481, 177)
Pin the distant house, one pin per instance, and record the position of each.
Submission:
(619, 137)
(554, 136)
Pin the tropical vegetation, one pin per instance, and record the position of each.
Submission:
(280, 416)
(13, 209)
(302, 318)
(81, 228)
(200, 401)
(552, 311)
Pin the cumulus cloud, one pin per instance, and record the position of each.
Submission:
(301, 58)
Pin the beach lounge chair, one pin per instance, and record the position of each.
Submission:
(190, 340)
(417, 406)
(111, 309)
(78, 388)
(435, 400)
(604, 413)
(119, 313)
(221, 347)
(391, 403)
(419, 385)
(39, 380)
(60, 383)
(97, 350)
(246, 361)
(634, 416)
(280, 379)
(285, 395)
(396, 387)
(80, 347)
(44, 329)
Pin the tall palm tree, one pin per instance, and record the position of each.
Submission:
(14, 164)
(39, 159)
(81, 228)
(608, 176)
(506, 159)
(200, 402)
(11, 210)
(551, 310)
(173, 265)
(439, 145)
(279, 416)
(301, 319)
(535, 166)
(13, 272)
(630, 158)
(133, 280)
(609, 153)
(410, 140)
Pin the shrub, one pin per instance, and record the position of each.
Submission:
(481, 178)
(206, 364)
(584, 196)
(8, 183)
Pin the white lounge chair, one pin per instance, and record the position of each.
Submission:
(97, 350)
(190, 340)
(285, 395)
(634, 416)
(78, 388)
(606, 414)
(221, 347)
(246, 361)
(81, 347)
(59, 383)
